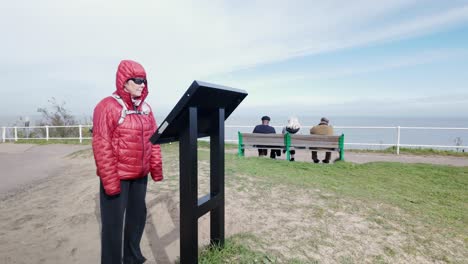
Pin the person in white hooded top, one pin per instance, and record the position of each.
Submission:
(292, 127)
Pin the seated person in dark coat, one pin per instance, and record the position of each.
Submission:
(265, 128)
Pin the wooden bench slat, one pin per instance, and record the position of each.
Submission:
(258, 135)
(315, 138)
(316, 141)
(334, 146)
(263, 139)
(265, 142)
(312, 141)
(277, 141)
(320, 148)
(263, 145)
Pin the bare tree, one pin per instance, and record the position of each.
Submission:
(58, 115)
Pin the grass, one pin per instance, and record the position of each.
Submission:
(234, 251)
(206, 145)
(413, 151)
(231, 146)
(434, 194)
(425, 203)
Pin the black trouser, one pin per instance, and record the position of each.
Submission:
(130, 201)
(326, 160)
(273, 152)
(262, 152)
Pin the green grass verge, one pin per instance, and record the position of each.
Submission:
(206, 144)
(413, 151)
(234, 251)
(434, 194)
(231, 146)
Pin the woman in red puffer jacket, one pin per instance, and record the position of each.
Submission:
(122, 126)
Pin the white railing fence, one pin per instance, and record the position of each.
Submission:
(74, 132)
(82, 132)
(397, 130)
(398, 143)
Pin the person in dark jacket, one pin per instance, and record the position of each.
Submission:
(124, 156)
(265, 128)
(322, 129)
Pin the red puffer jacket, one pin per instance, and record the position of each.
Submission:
(123, 151)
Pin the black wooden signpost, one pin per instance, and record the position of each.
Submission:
(200, 112)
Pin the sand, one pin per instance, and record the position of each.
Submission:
(55, 217)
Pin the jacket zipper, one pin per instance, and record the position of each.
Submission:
(142, 140)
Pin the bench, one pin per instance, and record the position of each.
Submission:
(286, 141)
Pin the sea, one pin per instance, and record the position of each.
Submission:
(371, 135)
(246, 123)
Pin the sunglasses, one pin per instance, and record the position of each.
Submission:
(138, 80)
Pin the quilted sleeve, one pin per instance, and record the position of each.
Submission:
(156, 158)
(104, 123)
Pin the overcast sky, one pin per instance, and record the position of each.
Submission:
(362, 57)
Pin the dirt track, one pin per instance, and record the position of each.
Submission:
(56, 219)
(21, 164)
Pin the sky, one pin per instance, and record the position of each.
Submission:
(356, 58)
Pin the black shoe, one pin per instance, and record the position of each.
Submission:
(325, 161)
(292, 159)
(316, 161)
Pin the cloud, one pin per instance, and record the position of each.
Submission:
(454, 106)
(209, 37)
(453, 98)
(354, 68)
(179, 41)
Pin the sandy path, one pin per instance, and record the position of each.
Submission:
(56, 219)
(22, 164)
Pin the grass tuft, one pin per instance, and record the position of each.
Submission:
(414, 151)
(435, 194)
